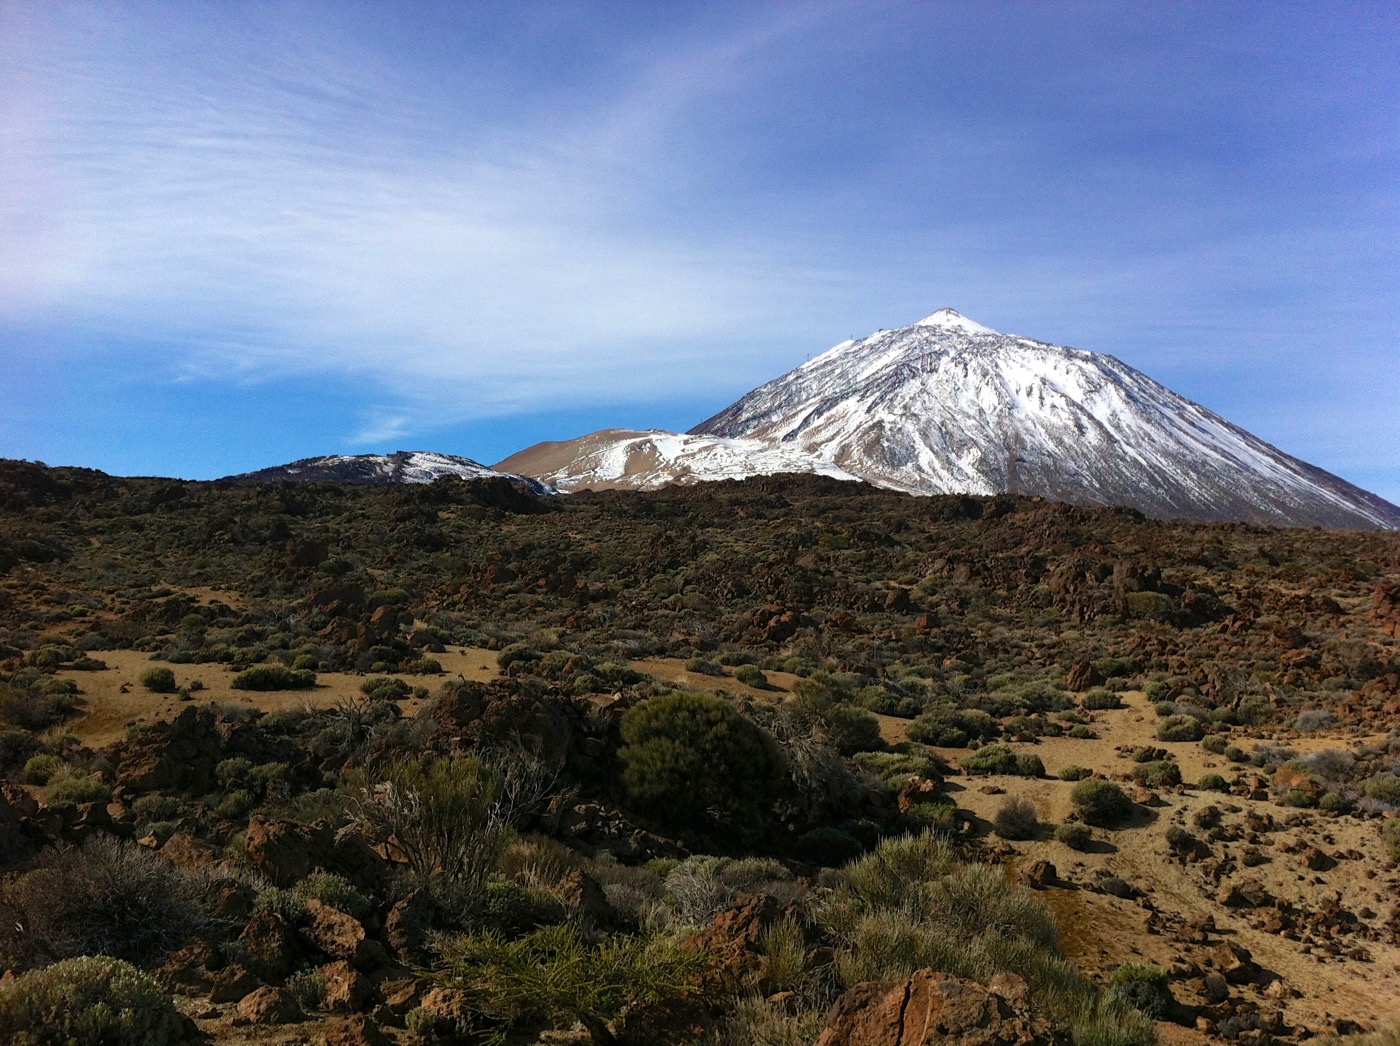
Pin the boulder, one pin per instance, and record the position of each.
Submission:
(917, 790)
(407, 926)
(347, 989)
(1247, 893)
(341, 936)
(582, 895)
(930, 1008)
(1235, 964)
(232, 983)
(357, 1030)
(1041, 874)
(269, 1005)
(269, 946)
(734, 939)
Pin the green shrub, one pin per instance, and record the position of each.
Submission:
(106, 897)
(41, 768)
(235, 805)
(1016, 818)
(90, 1000)
(308, 989)
(1160, 773)
(1213, 782)
(156, 807)
(1000, 759)
(1214, 744)
(829, 847)
(1074, 773)
(559, 974)
(385, 688)
(273, 677)
(693, 759)
(334, 890)
(1180, 728)
(1074, 834)
(704, 667)
(1390, 839)
(850, 729)
(450, 818)
(1082, 732)
(160, 680)
(1384, 788)
(74, 786)
(1100, 802)
(1142, 986)
(751, 675)
(233, 771)
(1097, 700)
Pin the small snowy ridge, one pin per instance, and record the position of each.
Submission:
(656, 458)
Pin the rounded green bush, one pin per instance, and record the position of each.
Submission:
(91, 999)
(74, 786)
(751, 675)
(41, 768)
(1101, 802)
(1160, 773)
(273, 677)
(1142, 986)
(1180, 728)
(694, 759)
(1074, 834)
(1016, 818)
(1213, 783)
(1000, 759)
(159, 680)
(1100, 701)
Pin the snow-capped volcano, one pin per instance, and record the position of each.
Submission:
(403, 466)
(947, 405)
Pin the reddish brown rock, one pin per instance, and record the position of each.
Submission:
(358, 1030)
(1316, 860)
(1235, 964)
(734, 939)
(340, 936)
(1040, 875)
(918, 790)
(232, 983)
(270, 1005)
(581, 893)
(347, 989)
(926, 1009)
(407, 926)
(186, 851)
(1248, 893)
(269, 946)
(1083, 676)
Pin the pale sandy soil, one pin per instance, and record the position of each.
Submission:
(114, 700)
(1100, 931)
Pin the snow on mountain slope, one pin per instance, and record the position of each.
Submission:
(404, 466)
(947, 405)
(626, 459)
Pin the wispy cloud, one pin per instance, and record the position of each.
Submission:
(481, 210)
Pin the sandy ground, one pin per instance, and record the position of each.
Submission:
(1099, 931)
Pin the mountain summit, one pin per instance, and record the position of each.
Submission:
(947, 405)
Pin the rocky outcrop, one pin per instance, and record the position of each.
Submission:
(932, 1008)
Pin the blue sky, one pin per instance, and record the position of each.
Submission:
(236, 234)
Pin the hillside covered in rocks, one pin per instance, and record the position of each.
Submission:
(787, 760)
